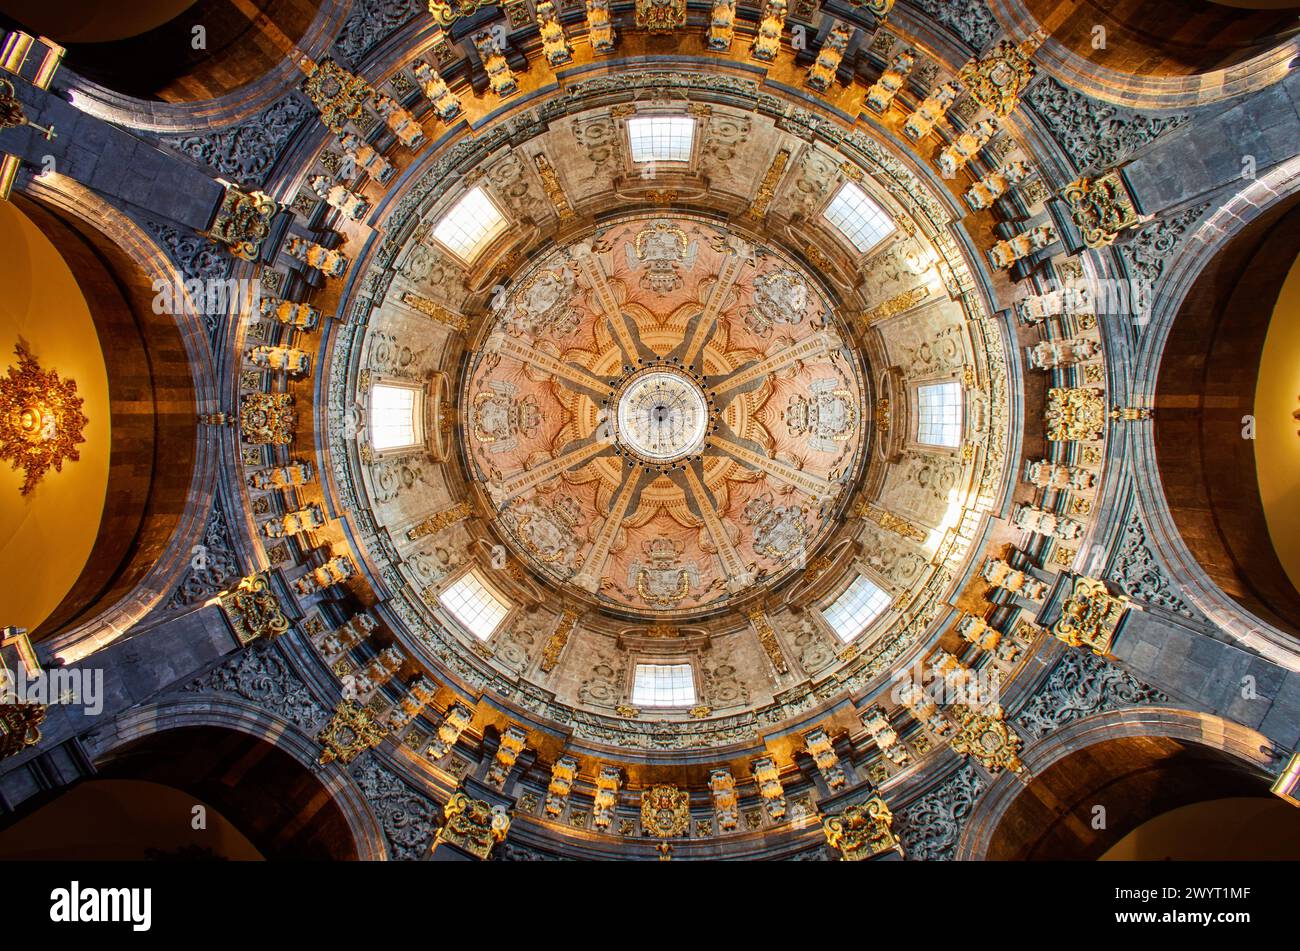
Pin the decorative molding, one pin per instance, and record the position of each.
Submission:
(248, 150)
(371, 23)
(1148, 250)
(1138, 571)
(1095, 134)
(213, 562)
(409, 819)
(1081, 684)
(261, 675)
(971, 21)
(928, 828)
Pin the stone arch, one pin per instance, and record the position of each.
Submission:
(269, 785)
(1138, 762)
(231, 97)
(1159, 53)
(1206, 387)
(1214, 589)
(159, 58)
(160, 378)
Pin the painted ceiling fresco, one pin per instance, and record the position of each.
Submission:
(747, 326)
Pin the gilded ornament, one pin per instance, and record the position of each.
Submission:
(41, 421)
(997, 79)
(12, 114)
(559, 637)
(554, 191)
(437, 522)
(267, 419)
(862, 831)
(1074, 414)
(985, 735)
(435, 311)
(472, 825)
(243, 222)
(1090, 616)
(897, 304)
(20, 727)
(337, 94)
(350, 732)
(253, 610)
(891, 522)
(665, 811)
(445, 14)
(1101, 207)
(767, 187)
(660, 16)
(767, 637)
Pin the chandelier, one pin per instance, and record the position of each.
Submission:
(40, 419)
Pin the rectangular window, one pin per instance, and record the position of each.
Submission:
(939, 414)
(661, 138)
(858, 218)
(392, 417)
(663, 685)
(854, 610)
(476, 606)
(470, 225)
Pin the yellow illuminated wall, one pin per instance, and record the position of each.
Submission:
(1277, 442)
(47, 536)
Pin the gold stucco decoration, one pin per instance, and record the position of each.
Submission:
(862, 831)
(665, 811)
(41, 421)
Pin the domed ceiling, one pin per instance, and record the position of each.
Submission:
(700, 455)
(694, 396)
(684, 407)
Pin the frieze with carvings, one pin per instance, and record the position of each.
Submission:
(930, 827)
(408, 818)
(1080, 685)
(247, 151)
(1148, 250)
(262, 675)
(1095, 134)
(1138, 571)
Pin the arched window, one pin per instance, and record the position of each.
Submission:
(854, 610)
(663, 685)
(938, 421)
(661, 138)
(856, 216)
(395, 416)
(477, 608)
(470, 225)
